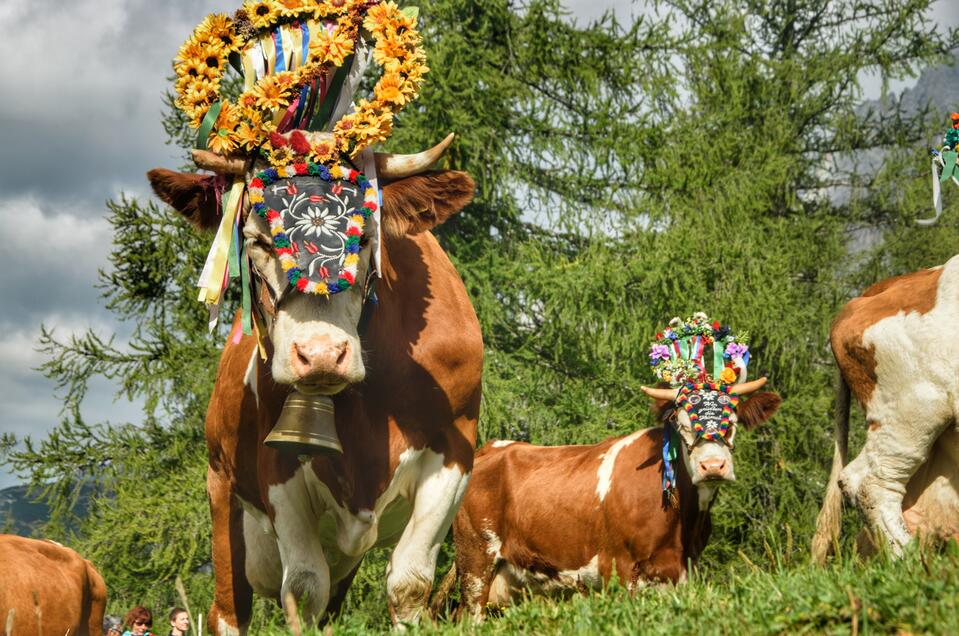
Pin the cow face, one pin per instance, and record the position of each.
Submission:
(706, 419)
(315, 340)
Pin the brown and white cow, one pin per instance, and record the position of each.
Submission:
(550, 519)
(406, 395)
(46, 588)
(896, 350)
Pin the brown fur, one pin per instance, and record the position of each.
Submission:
(541, 503)
(192, 195)
(419, 203)
(907, 293)
(50, 588)
(422, 389)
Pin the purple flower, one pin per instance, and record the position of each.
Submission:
(659, 352)
(736, 350)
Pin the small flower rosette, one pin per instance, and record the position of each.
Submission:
(318, 218)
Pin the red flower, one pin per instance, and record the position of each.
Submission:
(716, 324)
(659, 336)
(311, 247)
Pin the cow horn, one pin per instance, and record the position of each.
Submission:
(747, 387)
(660, 394)
(218, 163)
(390, 166)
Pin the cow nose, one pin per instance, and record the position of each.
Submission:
(713, 468)
(321, 357)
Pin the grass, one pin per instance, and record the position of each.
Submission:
(918, 594)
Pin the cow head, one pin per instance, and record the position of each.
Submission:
(706, 417)
(315, 340)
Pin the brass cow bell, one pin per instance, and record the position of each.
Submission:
(306, 426)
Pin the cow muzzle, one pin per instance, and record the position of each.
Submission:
(323, 364)
(715, 469)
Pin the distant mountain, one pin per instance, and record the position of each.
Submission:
(19, 514)
(938, 86)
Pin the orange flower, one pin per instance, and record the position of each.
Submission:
(270, 94)
(293, 8)
(390, 89)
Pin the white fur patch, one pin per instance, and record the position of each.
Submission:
(500, 443)
(604, 476)
(225, 629)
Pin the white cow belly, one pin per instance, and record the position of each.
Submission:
(511, 580)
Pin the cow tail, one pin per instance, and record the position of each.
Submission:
(442, 592)
(830, 516)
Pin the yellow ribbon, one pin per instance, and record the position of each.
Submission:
(269, 50)
(249, 69)
(296, 35)
(214, 270)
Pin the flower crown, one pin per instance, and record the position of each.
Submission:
(295, 56)
(677, 353)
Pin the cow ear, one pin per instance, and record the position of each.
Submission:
(421, 202)
(192, 195)
(757, 409)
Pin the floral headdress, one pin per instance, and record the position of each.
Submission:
(300, 61)
(945, 166)
(677, 354)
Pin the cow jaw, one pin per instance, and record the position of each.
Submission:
(316, 346)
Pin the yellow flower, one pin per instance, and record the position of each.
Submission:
(280, 157)
(218, 27)
(335, 47)
(293, 8)
(248, 136)
(322, 152)
(261, 13)
(390, 89)
(728, 376)
(270, 94)
(221, 141)
(381, 17)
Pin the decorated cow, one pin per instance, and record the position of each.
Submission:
(346, 402)
(556, 519)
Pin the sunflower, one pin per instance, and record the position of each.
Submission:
(261, 13)
(335, 47)
(323, 151)
(221, 141)
(293, 8)
(281, 156)
(248, 136)
(217, 27)
(389, 52)
(381, 17)
(269, 94)
(390, 89)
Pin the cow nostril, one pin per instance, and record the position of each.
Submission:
(344, 349)
(302, 359)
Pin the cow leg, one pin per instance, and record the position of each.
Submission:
(438, 492)
(233, 596)
(306, 574)
(876, 479)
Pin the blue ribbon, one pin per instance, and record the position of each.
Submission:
(669, 455)
(278, 43)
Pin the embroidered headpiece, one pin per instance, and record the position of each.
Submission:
(945, 167)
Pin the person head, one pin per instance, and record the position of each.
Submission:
(139, 620)
(179, 620)
(112, 625)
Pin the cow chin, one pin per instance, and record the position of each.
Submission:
(318, 356)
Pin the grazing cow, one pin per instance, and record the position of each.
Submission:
(46, 588)
(549, 519)
(406, 395)
(896, 353)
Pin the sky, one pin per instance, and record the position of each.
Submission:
(80, 119)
